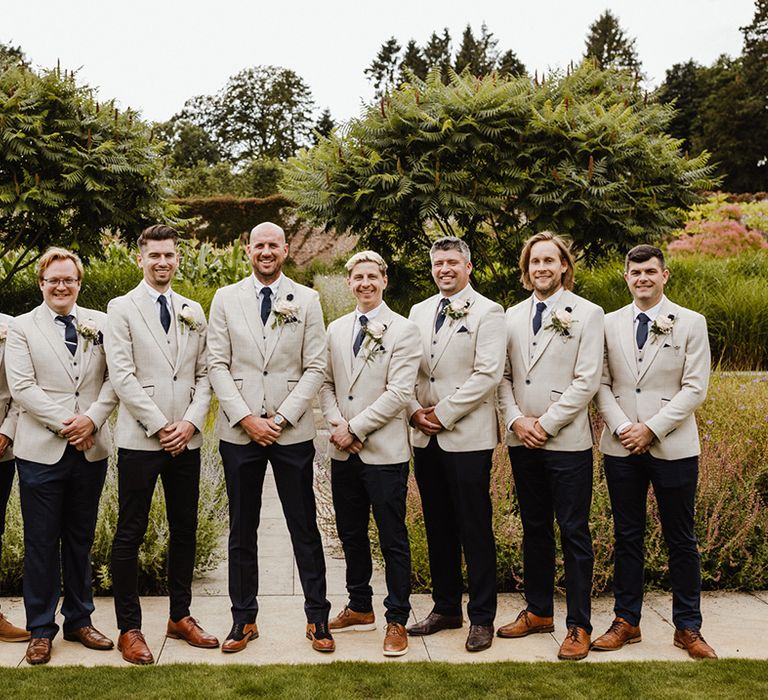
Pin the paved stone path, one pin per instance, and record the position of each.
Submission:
(734, 623)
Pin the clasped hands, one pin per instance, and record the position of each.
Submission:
(425, 420)
(263, 431)
(637, 438)
(529, 431)
(343, 439)
(79, 430)
(175, 437)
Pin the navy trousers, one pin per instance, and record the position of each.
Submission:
(6, 481)
(59, 503)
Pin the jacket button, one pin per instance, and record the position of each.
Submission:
(637, 391)
(77, 393)
(431, 379)
(265, 373)
(349, 398)
(174, 379)
(527, 381)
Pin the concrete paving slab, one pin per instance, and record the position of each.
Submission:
(735, 624)
(12, 654)
(761, 595)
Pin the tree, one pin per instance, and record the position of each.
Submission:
(437, 52)
(510, 64)
(755, 62)
(496, 160)
(609, 46)
(325, 124)
(188, 143)
(11, 56)
(71, 168)
(383, 69)
(413, 61)
(476, 55)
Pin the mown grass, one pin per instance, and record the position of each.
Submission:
(720, 679)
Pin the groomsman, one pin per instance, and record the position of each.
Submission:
(454, 433)
(554, 360)
(9, 414)
(373, 358)
(156, 352)
(266, 364)
(57, 374)
(656, 373)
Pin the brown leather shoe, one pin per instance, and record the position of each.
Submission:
(526, 623)
(239, 636)
(575, 646)
(435, 622)
(320, 637)
(90, 637)
(10, 633)
(619, 633)
(134, 648)
(39, 651)
(191, 632)
(350, 621)
(395, 640)
(480, 637)
(694, 644)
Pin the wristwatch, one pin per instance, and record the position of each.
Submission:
(278, 419)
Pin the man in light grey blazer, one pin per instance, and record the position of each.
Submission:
(373, 357)
(156, 352)
(554, 363)
(455, 430)
(9, 414)
(266, 345)
(656, 373)
(57, 373)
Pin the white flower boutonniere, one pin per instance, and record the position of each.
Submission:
(285, 312)
(187, 319)
(561, 321)
(90, 333)
(374, 334)
(662, 326)
(456, 310)
(3, 332)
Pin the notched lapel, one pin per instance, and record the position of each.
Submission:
(86, 354)
(146, 307)
(652, 348)
(385, 317)
(250, 307)
(626, 329)
(44, 321)
(273, 334)
(449, 329)
(182, 332)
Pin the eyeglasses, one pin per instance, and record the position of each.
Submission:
(66, 281)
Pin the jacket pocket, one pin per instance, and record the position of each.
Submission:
(149, 389)
(292, 384)
(555, 395)
(238, 384)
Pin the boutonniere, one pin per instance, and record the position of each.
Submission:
(3, 332)
(662, 326)
(285, 312)
(561, 321)
(187, 319)
(374, 334)
(90, 333)
(456, 310)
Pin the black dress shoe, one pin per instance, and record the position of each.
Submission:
(480, 637)
(435, 622)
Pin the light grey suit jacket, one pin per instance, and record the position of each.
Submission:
(49, 387)
(154, 387)
(558, 382)
(372, 391)
(664, 394)
(9, 411)
(459, 371)
(254, 367)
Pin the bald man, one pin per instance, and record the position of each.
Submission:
(266, 344)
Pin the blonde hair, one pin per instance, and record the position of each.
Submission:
(565, 256)
(52, 255)
(366, 256)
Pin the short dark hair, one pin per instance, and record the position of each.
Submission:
(451, 243)
(158, 232)
(642, 253)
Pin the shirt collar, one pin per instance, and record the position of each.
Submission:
(75, 312)
(274, 286)
(155, 295)
(458, 295)
(549, 301)
(370, 315)
(651, 313)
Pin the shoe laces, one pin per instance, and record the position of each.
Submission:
(616, 625)
(237, 632)
(394, 630)
(321, 631)
(695, 636)
(573, 633)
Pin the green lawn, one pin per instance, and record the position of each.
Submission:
(415, 681)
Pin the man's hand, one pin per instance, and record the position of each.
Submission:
(637, 438)
(261, 430)
(86, 444)
(421, 421)
(341, 437)
(175, 437)
(355, 447)
(5, 442)
(77, 428)
(529, 432)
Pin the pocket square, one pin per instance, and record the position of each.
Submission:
(463, 329)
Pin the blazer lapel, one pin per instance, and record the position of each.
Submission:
(385, 317)
(250, 307)
(146, 307)
(182, 332)
(273, 334)
(344, 340)
(85, 354)
(449, 328)
(627, 340)
(655, 342)
(46, 324)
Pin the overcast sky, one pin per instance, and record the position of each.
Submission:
(154, 55)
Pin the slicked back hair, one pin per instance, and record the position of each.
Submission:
(158, 232)
(451, 243)
(565, 256)
(643, 253)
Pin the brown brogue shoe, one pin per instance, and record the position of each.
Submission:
(694, 644)
(526, 623)
(320, 636)
(619, 633)
(349, 620)
(435, 622)
(395, 640)
(39, 651)
(575, 646)
(134, 648)
(480, 637)
(239, 636)
(190, 631)
(90, 637)
(10, 633)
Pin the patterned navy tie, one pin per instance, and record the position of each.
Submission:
(165, 314)
(440, 320)
(642, 329)
(537, 316)
(70, 333)
(360, 336)
(266, 304)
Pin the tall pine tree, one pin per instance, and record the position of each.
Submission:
(609, 46)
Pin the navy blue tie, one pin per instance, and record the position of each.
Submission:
(360, 336)
(537, 316)
(70, 333)
(165, 314)
(642, 329)
(266, 304)
(440, 320)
